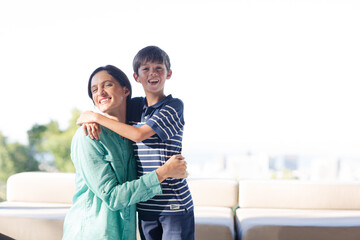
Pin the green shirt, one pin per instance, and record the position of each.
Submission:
(106, 189)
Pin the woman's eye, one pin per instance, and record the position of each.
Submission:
(94, 90)
(108, 85)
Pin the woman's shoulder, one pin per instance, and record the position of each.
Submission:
(80, 140)
(80, 137)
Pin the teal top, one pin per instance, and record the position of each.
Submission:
(106, 189)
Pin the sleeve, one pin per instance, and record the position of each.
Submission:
(101, 179)
(169, 120)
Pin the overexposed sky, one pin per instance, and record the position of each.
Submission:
(273, 76)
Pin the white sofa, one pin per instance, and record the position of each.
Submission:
(37, 203)
(294, 210)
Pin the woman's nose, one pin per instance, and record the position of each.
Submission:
(100, 91)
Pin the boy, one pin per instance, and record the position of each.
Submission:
(157, 126)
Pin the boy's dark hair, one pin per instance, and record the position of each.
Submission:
(150, 54)
(117, 74)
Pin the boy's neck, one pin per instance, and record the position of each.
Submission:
(152, 99)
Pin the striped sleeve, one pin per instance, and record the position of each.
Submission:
(169, 120)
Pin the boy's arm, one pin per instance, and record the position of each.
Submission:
(136, 134)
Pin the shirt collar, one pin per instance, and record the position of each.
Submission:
(158, 104)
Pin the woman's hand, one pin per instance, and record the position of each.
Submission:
(174, 167)
(93, 129)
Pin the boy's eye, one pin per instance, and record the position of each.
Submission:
(94, 90)
(108, 85)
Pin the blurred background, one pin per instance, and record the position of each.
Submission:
(270, 87)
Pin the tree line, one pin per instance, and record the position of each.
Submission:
(48, 148)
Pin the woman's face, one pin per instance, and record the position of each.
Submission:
(107, 93)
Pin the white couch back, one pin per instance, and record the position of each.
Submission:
(214, 192)
(294, 194)
(60, 187)
(41, 187)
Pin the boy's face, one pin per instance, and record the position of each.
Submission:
(152, 76)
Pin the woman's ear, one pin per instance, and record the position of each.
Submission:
(126, 91)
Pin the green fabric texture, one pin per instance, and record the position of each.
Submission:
(106, 188)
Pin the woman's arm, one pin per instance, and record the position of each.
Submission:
(136, 134)
(91, 163)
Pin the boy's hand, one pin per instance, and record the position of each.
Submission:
(174, 167)
(93, 129)
(86, 117)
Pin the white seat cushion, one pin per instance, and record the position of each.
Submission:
(32, 221)
(214, 223)
(278, 224)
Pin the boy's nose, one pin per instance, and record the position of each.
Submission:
(153, 73)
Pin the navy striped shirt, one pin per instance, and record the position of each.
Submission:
(167, 120)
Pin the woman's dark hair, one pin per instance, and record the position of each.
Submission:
(117, 74)
(150, 54)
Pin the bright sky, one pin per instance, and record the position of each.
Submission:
(273, 76)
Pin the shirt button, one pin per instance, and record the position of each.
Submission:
(146, 117)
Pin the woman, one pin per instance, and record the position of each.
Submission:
(106, 189)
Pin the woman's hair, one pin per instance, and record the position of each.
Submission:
(151, 54)
(117, 74)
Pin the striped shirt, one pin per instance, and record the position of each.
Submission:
(167, 120)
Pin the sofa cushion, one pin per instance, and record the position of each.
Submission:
(214, 192)
(41, 187)
(299, 195)
(214, 223)
(281, 224)
(32, 221)
(213, 201)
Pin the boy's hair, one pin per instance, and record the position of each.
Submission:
(150, 54)
(117, 74)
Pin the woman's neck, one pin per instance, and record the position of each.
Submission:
(118, 115)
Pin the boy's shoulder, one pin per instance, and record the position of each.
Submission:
(173, 102)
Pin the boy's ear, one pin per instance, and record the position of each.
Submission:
(168, 76)
(136, 77)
